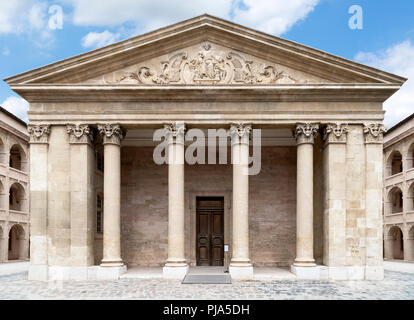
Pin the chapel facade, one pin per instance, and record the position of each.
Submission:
(100, 202)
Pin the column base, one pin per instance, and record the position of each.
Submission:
(175, 271)
(241, 271)
(38, 272)
(112, 263)
(310, 272)
(110, 272)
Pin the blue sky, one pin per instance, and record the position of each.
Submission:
(385, 41)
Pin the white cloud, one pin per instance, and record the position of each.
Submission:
(11, 20)
(28, 17)
(274, 17)
(99, 39)
(6, 51)
(148, 14)
(397, 59)
(17, 106)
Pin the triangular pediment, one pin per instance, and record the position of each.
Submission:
(206, 63)
(204, 51)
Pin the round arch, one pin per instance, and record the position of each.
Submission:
(410, 156)
(394, 163)
(18, 158)
(410, 197)
(17, 243)
(3, 196)
(3, 153)
(2, 258)
(409, 250)
(17, 197)
(394, 201)
(394, 243)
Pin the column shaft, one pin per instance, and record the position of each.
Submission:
(240, 266)
(240, 252)
(112, 206)
(176, 266)
(176, 255)
(112, 136)
(304, 134)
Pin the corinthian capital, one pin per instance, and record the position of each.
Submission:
(111, 133)
(374, 132)
(175, 131)
(38, 133)
(79, 133)
(305, 132)
(335, 133)
(240, 132)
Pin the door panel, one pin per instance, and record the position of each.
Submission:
(210, 231)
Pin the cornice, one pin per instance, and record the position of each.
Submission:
(282, 92)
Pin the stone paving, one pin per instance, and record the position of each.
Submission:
(396, 286)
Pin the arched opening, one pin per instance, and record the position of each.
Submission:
(410, 156)
(16, 243)
(3, 198)
(17, 197)
(410, 245)
(395, 201)
(17, 158)
(2, 258)
(3, 157)
(394, 248)
(394, 163)
(410, 198)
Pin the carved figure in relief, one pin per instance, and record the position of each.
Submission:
(208, 66)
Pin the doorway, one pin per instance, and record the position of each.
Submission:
(210, 231)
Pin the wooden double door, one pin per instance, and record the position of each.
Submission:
(210, 231)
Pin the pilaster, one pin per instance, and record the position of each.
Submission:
(82, 172)
(39, 140)
(334, 167)
(373, 133)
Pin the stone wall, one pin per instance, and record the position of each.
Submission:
(145, 206)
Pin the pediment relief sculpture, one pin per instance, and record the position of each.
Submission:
(207, 66)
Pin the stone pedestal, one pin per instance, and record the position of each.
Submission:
(105, 272)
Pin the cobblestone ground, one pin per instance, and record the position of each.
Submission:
(396, 286)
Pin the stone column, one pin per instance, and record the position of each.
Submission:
(334, 164)
(176, 266)
(82, 207)
(374, 269)
(304, 134)
(112, 266)
(240, 266)
(39, 138)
